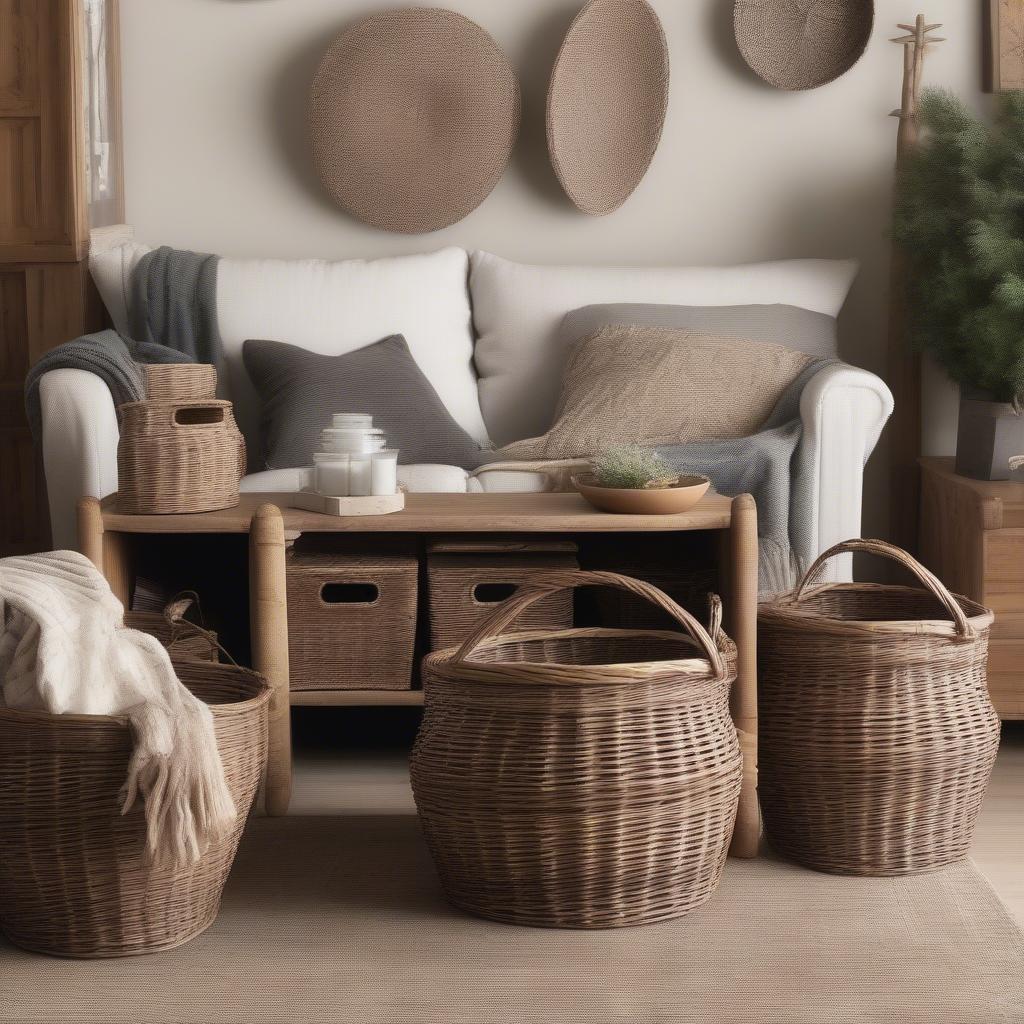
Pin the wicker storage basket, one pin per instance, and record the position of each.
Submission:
(183, 638)
(178, 457)
(877, 736)
(465, 586)
(579, 778)
(351, 621)
(73, 875)
(179, 382)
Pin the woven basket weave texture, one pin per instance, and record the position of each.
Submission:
(367, 644)
(413, 117)
(74, 880)
(579, 778)
(456, 606)
(607, 102)
(186, 641)
(179, 382)
(801, 44)
(176, 457)
(877, 736)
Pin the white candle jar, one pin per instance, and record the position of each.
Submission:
(384, 472)
(332, 473)
(360, 479)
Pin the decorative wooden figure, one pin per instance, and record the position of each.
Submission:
(1004, 45)
(904, 364)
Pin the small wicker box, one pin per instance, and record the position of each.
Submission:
(179, 382)
(466, 586)
(351, 621)
(178, 457)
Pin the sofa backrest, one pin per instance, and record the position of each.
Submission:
(332, 307)
(518, 309)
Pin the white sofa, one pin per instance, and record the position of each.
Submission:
(484, 331)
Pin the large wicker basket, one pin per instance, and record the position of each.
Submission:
(74, 880)
(178, 457)
(579, 778)
(877, 736)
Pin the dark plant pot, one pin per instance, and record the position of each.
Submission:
(989, 435)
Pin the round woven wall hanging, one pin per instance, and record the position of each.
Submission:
(413, 117)
(607, 102)
(801, 44)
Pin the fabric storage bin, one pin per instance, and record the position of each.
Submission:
(178, 457)
(542, 797)
(351, 621)
(467, 579)
(74, 878)
(877, 736)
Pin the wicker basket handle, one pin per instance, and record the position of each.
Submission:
(550, 582)
(190, 415)
(928, 579)
(174, 614)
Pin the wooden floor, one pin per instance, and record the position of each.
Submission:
(354, 762)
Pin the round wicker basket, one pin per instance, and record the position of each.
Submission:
(802, 44)
(179, 382)
(876, 733)
(178, 457)
(579, 778)
(74, 879)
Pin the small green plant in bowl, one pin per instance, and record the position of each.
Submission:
(630, 467)
(631, 480)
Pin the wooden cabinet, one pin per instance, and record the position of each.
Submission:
(972, 537)
(59, 175)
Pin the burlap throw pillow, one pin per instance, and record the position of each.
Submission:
(652, 386)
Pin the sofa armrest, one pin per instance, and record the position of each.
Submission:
(843, 410)
(80, 437)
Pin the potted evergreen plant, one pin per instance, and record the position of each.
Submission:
(959, 218)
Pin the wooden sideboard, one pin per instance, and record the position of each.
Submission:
(60, 177)
(972, 537)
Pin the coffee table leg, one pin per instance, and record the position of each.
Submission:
(109, 551)
(742, 627)
(268, 620)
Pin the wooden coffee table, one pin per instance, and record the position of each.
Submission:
(109, 537)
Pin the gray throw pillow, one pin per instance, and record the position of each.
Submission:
(299, 390)
(800, 329)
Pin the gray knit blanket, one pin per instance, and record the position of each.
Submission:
(764, 465)
(173, 318)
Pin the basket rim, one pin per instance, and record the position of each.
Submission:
(501, 672)
(785, 608)
(42, 716)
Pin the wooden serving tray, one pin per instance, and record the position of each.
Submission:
(369, 505)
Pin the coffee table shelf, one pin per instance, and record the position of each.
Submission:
(110, 537)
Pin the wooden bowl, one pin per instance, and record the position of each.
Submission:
(665, 501)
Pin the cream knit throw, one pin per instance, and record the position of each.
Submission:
(64, 649)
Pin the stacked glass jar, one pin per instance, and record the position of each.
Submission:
(354, 458)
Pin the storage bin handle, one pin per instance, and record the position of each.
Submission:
(216, 409)
(928, 579)
(551, 582)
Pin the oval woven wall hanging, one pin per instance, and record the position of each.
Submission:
(801, 44)
(607, 102)
(413, 116)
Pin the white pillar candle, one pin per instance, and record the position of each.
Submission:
(332, 474)
(384, 472)
(360, 474)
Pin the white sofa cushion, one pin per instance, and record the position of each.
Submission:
(332, 308)
(518, 308)
(422, 478)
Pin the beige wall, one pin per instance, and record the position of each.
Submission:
(216, 160)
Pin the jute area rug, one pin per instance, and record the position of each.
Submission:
(341, 920)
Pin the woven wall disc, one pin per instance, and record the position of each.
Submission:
(607, 102)
(801, 44)
(413, 117)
